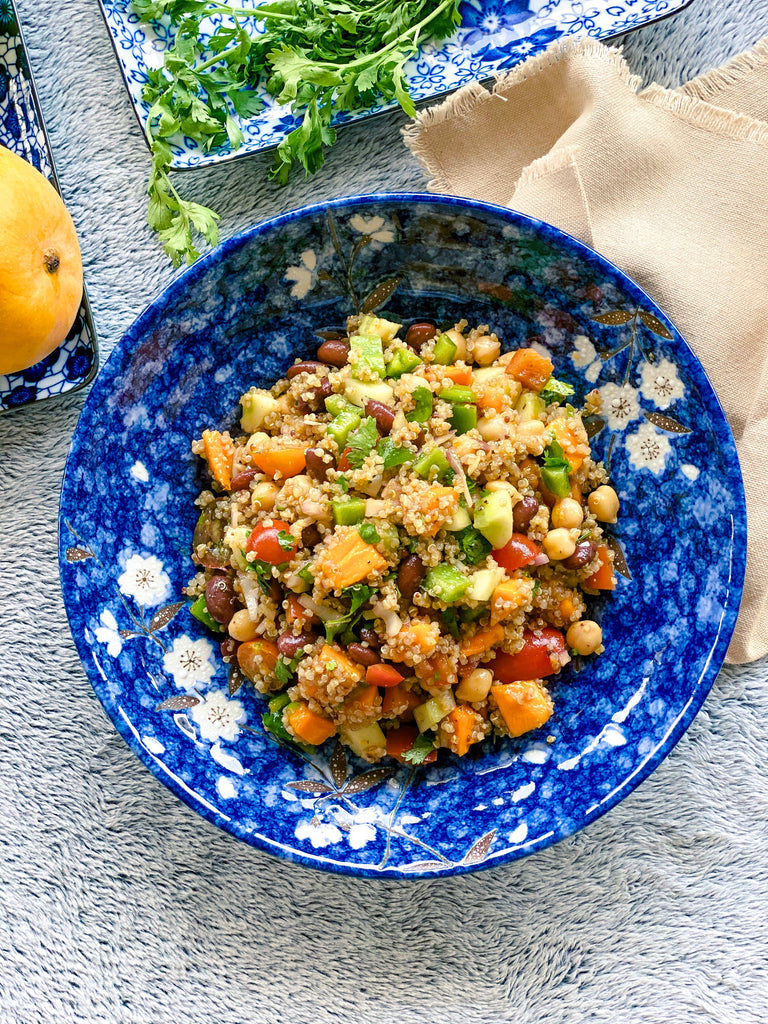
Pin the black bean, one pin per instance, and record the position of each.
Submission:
(242, 480)
(369, 636)
(307, 366)
(583, 555)
(417, 334)
(289, 644)
(363, 655)
(317, 467)
(409, 575)
(220, 598)
(383, 415)
(310, 536)
(335, 352)
(523, 513)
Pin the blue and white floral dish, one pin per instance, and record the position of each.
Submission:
(238, 318)
(495, 34)
(73, 364)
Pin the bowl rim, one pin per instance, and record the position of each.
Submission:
(699, 687)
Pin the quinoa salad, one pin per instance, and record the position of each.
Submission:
(397, 546)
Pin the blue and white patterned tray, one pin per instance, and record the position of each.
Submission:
(494, 34)
(74, 363)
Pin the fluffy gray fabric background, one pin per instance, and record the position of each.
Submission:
(120, 905)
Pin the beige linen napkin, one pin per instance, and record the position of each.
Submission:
(672, 186)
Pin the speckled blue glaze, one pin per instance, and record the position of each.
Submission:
(238, 318)
(73, 364)
(494, 35)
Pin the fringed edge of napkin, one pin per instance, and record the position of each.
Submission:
(731, 74)
(463, 102)
(701, 114)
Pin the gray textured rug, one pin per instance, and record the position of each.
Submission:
(118, 904)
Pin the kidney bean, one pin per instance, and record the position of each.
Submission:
(317, 467)
(316, 400)
(220, 598)
(289, 645)
(369, 636)
(228, 649)
(523, 513)
(362, 655)
(310, 536)
(409, 575)
(383, 415)
(307, 366)
(334, 351)
(417, 334)
(468, 669)
(583, 555)
(241, 480)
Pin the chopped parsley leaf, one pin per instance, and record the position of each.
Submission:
(361, 442)
(555, 391)
(420, 750)
(368, 533)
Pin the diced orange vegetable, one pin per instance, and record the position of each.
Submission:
(530, 368)
(457, 374)
(363, 703)
(463, 720)
(437, 672)
(297, 613)
(342, 663)
(508, 596)
(401, 740)
(257, 658)
(308, 726)
(494, 397)
(418, 634)
(348, 559)
(399, 703)
(219, 452)
(602, 578)
(572, 439)
(282, 462)
(567, 608)
(433, 499)
(482, 641)
(383, 675)
(524, 705)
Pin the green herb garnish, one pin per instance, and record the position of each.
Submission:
(285, 540)
(473, 544)
(359, 593)
(361, 442)
(422, 408)
(420, 751)
(392, 454)
(555, 391)
(556, 470)
(369, 533)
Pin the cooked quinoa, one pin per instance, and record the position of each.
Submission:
(397, 543)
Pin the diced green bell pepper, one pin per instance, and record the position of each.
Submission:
(458, 393)
(446, 582)
(425, 462)
(199, 609)
(422, 410)
(403, 361)
(340, 425)
(336, 404)
(464, 418)
(366, 356)
(556, 479)
(348, 512)
(445, 350)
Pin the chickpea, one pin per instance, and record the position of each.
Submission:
(492, 428)
(485, 349)
(532, 435)
(476, 686)
(560, 543)
(459, 341)
(263, 495)
(503, 485)
(584, 637)
(567, 513)
(603, 503)
(241, 626)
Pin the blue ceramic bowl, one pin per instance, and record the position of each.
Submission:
(238, 318)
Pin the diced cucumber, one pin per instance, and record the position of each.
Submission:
(358, 392)
(458, 393)
(529, 406)
(388, 535)
(493, 518)
(340, 425)
(403, 361)
(445, 350)
(256, 404)
(199, 610)
(384, 329)
(366, 356)
(367, 741)
(429, 714)
(347, 512)
(335, 404)
(556, 479)
(460, 520)
(464, 418)
(483, 583)
(433, 457)
(446, 582)
(485, 373)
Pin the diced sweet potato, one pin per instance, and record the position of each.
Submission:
(219, 453)
(399, 703)
(483, 640)
(508, 596)
(282, 462)
(341, 664)
(524, 705)
(348, 559)
(602, 578)
(530, 368)
(463, 720)
(308, 726)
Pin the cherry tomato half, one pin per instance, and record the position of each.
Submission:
(517, 552)
(272, 544)
(533, 661)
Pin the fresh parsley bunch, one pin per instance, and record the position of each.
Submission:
(320, 57)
